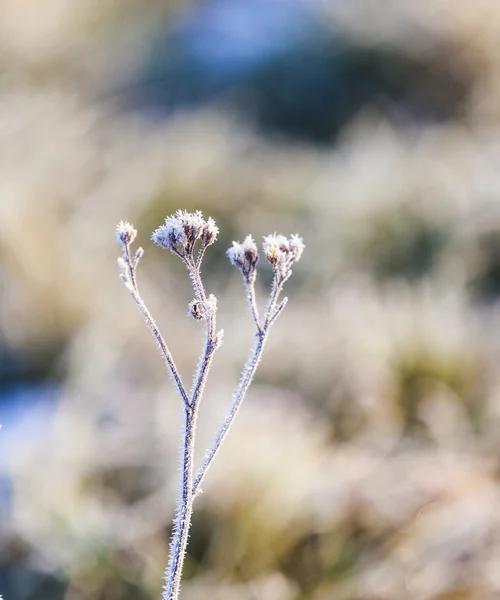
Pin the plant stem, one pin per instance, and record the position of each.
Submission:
(250, 288)
(150, 322)
(246, 378)
(184, 510)
(180, 234)
(245, 381)
(185, 503)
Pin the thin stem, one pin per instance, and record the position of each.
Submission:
(131, 266)
(245, 381)
(150, 322)
(202, 374)
(210, 340)
(185, 504)
(199, 258)
(184, 511)
(250, 287)
(273, 299)
(277, 311)
(194, 273)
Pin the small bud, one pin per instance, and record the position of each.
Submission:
(271, 249)
(125, 233)
(250, 251)
(138, 255)
(296, 246)
(211, 304)
(244, 256)
(219, 338)
(195, 223)
(197, 310)
(123, 269)
(236, 255)
(209, 233)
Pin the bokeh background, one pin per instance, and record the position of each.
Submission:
(366, 460)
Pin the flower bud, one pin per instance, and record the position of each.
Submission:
(244, 256)
(125, 233)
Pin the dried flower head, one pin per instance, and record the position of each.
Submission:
(182, 230)
(125, 233)
(296, 246)
(209, 232)
(282, 252)
(244, 256)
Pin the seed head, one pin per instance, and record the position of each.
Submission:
(125, 233)
(182, 230)
(296, 246)
(282, 252)
(209, 232)
(244, 256)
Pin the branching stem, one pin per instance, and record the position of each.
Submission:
(246, 380)
(180, 235)
(185, 503)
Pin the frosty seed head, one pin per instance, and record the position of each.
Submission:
(296, 246)
(209, 232)
(282, 252)
(182, 230)
(125, 233)
(244, 256)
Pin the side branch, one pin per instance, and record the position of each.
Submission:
(250, 289)
(167, 356)
(246, 380)
(131, 284)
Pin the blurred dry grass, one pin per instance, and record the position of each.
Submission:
(365, 463)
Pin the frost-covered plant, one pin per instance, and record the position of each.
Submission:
(187, 235)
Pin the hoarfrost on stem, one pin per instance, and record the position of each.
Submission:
(187, 235)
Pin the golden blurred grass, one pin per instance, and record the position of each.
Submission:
(365, 461)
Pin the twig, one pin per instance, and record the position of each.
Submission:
(126, 234)
(245, 381)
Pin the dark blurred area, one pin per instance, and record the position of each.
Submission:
(278, 65)
(365, 461)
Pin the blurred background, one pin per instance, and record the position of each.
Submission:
(366, 460)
